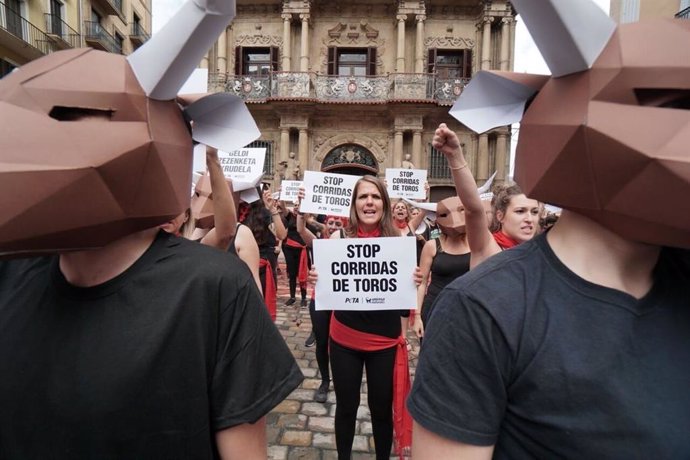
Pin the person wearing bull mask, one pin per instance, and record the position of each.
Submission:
(121, 340)
(575, 343)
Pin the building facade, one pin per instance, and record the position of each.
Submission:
(30, 29)
(360, 86)
(633, 10)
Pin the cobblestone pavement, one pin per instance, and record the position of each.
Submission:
(300, 428)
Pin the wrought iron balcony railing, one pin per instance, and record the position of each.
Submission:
(13, 22)
(61, 33)
(97, 36)
(329, 88)
(111, 7)
(684, 14)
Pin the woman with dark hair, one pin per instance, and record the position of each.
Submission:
(369, 339)
(296, 256)
(263, 219)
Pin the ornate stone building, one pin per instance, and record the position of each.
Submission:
(30, 29)
(634, 10)
(360, 86)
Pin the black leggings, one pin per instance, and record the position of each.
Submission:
(320, 325)
(347, 365)
(292, 256)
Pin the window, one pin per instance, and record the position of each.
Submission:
(269, 162)
(136, 25)
(95, 17)
(13, 17)
(351, 62)
(56, 17)
(120, 40)
(450, 64)
(256, 61)
(438, 165)
(5, 67)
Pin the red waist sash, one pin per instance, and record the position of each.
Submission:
(303, 262)
(363, 341)
(270, 289)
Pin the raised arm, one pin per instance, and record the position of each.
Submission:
(480, 240)
(277, 220)
(225, 217)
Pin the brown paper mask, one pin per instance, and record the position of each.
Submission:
(87, 157)
(450, 216)
(93, 146)
(610, 142)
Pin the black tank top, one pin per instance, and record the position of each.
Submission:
(444, 269)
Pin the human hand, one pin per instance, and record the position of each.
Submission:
(447, 142)
(418, 326)
(417, 276)
(269, 201)
(313, 276)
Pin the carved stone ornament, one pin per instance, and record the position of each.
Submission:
(325, 145)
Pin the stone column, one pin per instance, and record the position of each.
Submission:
(397, 149)
(303, 147)
(486, 43)
(505, 43)
(204, 61)
(483, 158)
(501, 155)
(284, 144)
(287, 18)
(400, 61)
(511, 66)
(419, 48)
(222, 64)
(417, 148)
(304, 49)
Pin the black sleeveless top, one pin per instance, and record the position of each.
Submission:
(444, 269)
(231, 247)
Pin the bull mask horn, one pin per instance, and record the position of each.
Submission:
(570, 34)
(163, 64)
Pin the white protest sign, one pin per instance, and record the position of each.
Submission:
(406, 183)
(289, 189)
(365, 273)
(329, 194)
(243, 166)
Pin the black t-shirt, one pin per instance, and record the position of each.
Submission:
(523, 354)
(147, 365)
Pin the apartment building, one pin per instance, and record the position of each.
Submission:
(30, 29)
(633, 10)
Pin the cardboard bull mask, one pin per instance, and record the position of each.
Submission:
(606, 136)
(450, 216)
(202, 203)
(93, 145)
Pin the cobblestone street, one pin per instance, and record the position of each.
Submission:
(300, 428)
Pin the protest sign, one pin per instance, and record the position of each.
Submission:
(406, 183)
(243, 165)
(365, 273)
(289, 189)
(329, 194)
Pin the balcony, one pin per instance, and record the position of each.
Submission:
(138, 35)
(22, 37)
(97, 37)
(62, 35)
(683, 14)
(109, 7)
(327, 88)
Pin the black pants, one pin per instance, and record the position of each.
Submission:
(347, 365)
(292, 256)
(320, 324)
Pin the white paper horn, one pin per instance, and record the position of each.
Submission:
(569, 33)
(163, 64)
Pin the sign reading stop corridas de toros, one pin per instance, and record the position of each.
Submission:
(365, 273)
(242, 165)
(329, 194)
(406, 183)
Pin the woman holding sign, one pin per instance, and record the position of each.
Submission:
(371, 340)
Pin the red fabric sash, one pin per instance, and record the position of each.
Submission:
(401, 224)
(372, 234)
(303, 272)
(270, 291)
(504, 241)
(357, 340)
